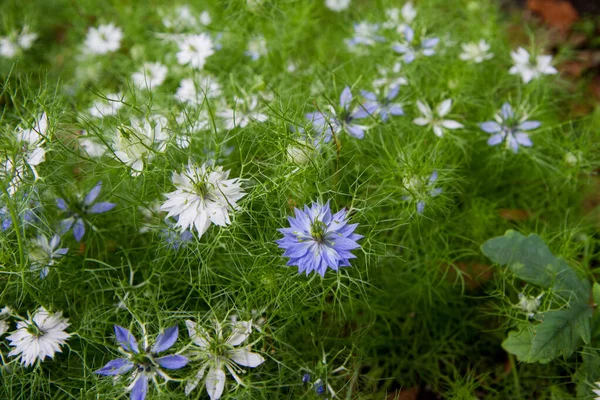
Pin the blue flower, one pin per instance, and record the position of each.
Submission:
(317, 240)
(421, 189)
(145, 363)
(344, 120)
(411, 49)
(366, 34)
(174, 237)
(31, 206)
(508, 128)
(78, 211)
(384, 106)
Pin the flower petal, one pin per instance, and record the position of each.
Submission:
(126, 339)
(444, 107)
(215, 383)
(166, 339)
(93, 194)
(490, 127)
(173, 361)
(140, 388)
(345, 97)
(115, 367)
(246, 358)
(101, 207)
(79, 229)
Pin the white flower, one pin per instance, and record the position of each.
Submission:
(91, 146)
(136, 146)
(435, 119)
(103, 39)
(337, 5)
(390, 78)
(243, 112)
(10, 46)
(150, 76)
(529, 304)
(194, 50)
(476, 52)
(184, 18)
(203, 195)
(528, 71)
(108, 106)
(597, 391)
(220, 354)
(257, 47)
(39, 337)
(43, 254)
(398, 19)
(32, 140)
(191, 123)
(4, 313)
(194, 91)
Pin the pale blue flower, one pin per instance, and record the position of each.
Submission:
(334, 122)
(411, 48)
(80, 210)
(365, 34)
(385, 105)
(509, 128)
(145, 363)
(420, 190)
(317, 240)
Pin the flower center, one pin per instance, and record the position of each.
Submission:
(318, 230)
(34, 330)
(201, 189)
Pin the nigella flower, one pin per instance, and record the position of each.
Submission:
(436, 119)
(218, 354)
(79, 210)
(194, 50)
(476, 52)
(390, 77)
(366, 34)
(509, 128)
(104, 39)
(400, 18)
(145, 363)
(30, 208)
(333, 123)
(528, 70)
(411, 49)
(244, 112)
(384, 105)
(317, 240)
(44, 254)
(173, 237)
(150, 76)
(421, 189)
(31, 141)
(39, 336)
(257, 47)
(529, 304)
(203, 195)
(11, 45)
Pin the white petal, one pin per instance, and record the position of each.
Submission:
(246, 358)
(450, 124)
(444, 107)
(425, 110)
(215, 383)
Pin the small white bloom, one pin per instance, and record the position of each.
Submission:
(194, 91)
(39, 337)
(257, 47)
(399, 18)
(337, 5)
(32, 140)
(183, 17)
(203, 195)
(476, 52)
(299, 153)
(529, 304)
(150, 76)
(529, 71)
(10, 46)
(136, 146)
(194, 50)
(436, 119)
(242, 114)
(103, 39)
(597, 391)
(91, 146)
(390, 78)
(221, 353)
(43, 254)
(107, 107)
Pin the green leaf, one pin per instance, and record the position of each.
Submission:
(530, 259)
(596, 293)
(559, 333)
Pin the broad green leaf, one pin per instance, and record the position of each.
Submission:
(530, 259)
(559, 333)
